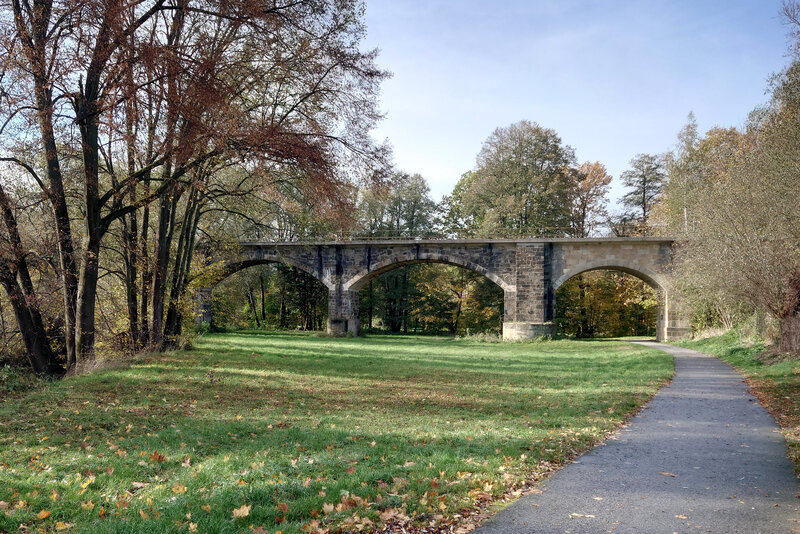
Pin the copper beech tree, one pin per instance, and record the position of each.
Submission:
(124, 114)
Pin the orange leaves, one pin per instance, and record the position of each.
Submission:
(44, 514)
(664, 473)
(479, 495)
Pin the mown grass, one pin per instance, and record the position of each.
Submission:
(774, 379)
(312, 434)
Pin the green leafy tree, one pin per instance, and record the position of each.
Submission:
(521, 184)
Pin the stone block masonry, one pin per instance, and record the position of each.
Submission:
(528, 270)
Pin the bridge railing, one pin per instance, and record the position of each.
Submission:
(502, 233)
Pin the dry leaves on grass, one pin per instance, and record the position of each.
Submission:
(242, 511)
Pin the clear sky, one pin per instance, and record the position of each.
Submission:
(614, 78)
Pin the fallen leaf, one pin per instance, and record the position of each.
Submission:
(206, 507)
(60, 525)
(283, 507)
(242, 511)
(144, 515)
(3, 505)
(44, 514)
(192, 527)
(178, 488)
(350, 470)
(327, 508)
(681, 516)
(667, 474)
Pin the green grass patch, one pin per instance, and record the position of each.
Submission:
(296, 433)
(774, 379)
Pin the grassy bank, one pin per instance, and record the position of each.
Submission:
(296, 433)
(775, 380)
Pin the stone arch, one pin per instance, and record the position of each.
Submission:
(665, 316)
(229, 268)
(647, 275)
(356, 282)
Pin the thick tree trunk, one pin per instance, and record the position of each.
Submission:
(87, 286)
(166, 225)
(790, 334)
(58, 201)
(33, 27)
(790, 318)
(183, 258)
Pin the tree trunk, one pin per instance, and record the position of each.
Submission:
(263, 298)
(166, 226)
(790, 318)
(583, 327)
(35, 43)
(16, 279)
(183, 259)
(147, 278)
(370, 308)
(33, 334)
(252, 303)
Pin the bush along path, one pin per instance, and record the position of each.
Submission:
(703, 456)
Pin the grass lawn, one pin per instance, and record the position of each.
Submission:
(775, 381)
(270, 432)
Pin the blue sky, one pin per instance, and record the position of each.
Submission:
(613, 78)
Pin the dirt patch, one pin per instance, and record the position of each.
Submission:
(772, 356)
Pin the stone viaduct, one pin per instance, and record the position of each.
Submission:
(528, 270)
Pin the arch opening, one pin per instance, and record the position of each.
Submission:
(267, 294)
(608, 301)
(429, 296)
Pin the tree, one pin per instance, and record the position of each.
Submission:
(521, 183)
(684, 170)
(149, 101)
(409, 207)
(589, 198)
(454, 219)
(645, 179)
(742, 249)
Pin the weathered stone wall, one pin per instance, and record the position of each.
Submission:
(528, 271)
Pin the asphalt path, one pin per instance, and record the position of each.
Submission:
(703, 456)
